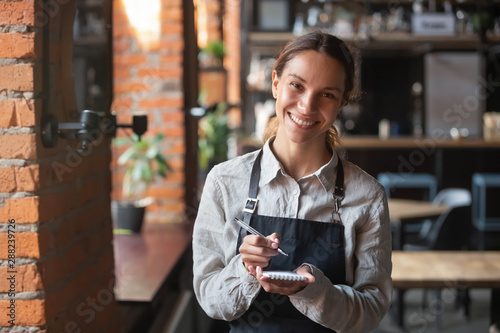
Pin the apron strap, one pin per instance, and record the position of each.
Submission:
(251, 203)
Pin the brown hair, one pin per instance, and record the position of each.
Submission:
(323, 43)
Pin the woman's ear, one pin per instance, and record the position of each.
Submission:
(274, 85)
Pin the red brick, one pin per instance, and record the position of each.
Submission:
(23, 210)
(17, 12)
(173, 28)
(175, 117)
(28, 312)
(172, 45)
(129, 60)
(163, 192)
(121, 73)
(175, 177)
(17, 113)
(121, 45)
(26, 245)
(173, 14)
(130, 87)
(22, 146)
(161, 103)
(121, 103)
(16, 45)
(27, 278)
(175, 132)
(176, 148)
(19, 179)
(177, 163)
(120, 17)
(17, 77)
(163, 73)
(123, 30)
(171, 59)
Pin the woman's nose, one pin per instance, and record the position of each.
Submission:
(307, 103)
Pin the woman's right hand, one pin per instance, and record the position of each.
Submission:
(257, 251)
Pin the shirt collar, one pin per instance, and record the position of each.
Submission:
(271, 167)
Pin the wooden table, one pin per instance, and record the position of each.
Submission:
(402, 212)
(448, 269)
(148, 266)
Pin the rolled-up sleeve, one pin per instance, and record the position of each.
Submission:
(222, 285)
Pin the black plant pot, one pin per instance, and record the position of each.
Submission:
(127, 216)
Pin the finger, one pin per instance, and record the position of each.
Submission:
(306, 271)
(260, 241)
(275, 238)
(256, 245)
(255, 260)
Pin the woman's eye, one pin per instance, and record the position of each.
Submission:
(295, 85)
(328, 95)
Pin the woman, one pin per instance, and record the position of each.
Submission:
(329, 216)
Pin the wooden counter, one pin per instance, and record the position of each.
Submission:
(150, 272)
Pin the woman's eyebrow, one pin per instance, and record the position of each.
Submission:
(298, 77)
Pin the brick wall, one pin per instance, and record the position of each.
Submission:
(231, 29)
(56, 200)
(150, 80)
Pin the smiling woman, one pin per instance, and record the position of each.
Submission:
(329, 216)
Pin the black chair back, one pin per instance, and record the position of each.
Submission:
(451, 231)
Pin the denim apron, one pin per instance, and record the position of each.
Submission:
(318, 243)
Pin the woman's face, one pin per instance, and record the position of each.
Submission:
(308, 96)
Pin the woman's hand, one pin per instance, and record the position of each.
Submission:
(257, 251)
(283, 287)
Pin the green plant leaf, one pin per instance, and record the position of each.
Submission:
(127, 155)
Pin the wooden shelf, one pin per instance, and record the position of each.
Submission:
(410, 142)
(379, 41)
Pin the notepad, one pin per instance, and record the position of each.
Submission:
(281, 275)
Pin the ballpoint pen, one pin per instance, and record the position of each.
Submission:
(255, 232)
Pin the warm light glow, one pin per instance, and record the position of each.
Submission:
(144, 17)
(201, 22)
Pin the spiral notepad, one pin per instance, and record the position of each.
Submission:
(278, 275)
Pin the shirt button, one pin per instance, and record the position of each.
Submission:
(295, 192)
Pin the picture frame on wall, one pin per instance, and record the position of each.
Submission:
(273, 15)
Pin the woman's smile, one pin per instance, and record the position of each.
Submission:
(300, 122)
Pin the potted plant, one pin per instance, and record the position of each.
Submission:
(213, 54)
(213, 136)
(145, 162)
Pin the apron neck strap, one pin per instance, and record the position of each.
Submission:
(251, 203)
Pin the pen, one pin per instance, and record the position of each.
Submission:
(255, 232)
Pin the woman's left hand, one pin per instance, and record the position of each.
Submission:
(282, 287)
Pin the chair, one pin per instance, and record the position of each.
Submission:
(480, 183)
(452, 197)
(424, 181)
(450, 232)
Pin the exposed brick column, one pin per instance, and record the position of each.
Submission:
(150, 80)
(59, 198)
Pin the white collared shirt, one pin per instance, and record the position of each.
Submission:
(224, 288)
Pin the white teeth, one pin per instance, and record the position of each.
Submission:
(301, 122)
